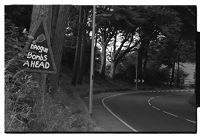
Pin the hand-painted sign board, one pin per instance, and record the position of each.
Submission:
(39, 57)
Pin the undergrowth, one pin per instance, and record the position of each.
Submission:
(21, 90)
(24, 111)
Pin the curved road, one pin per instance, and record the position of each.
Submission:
(154, 111)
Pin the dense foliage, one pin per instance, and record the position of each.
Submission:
(21, 89)
(160, 34)
(156, 39)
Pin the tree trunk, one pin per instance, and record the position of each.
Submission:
(103, 61)
(112, 69)
(78, 49)
(55, 24)
(140, 58)
(54, 17)
(178, 63)
(178, 75)
(144, 66)
(38, 11)
(145, 59)
(172, 74)
(82, 52)
(58, 41)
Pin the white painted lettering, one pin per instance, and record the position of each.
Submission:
(45, 58)
(47, 65)
(32, 64)
(26, 63)
(40, 49)
(37, 65)
(29, 55)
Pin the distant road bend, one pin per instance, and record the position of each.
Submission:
(154, 111)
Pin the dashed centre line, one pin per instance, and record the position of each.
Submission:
(149, 103)
(171, 114)
(166, 112)
(191, 121)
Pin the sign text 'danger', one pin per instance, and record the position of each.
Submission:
(39, 57)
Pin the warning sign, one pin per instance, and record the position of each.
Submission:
(39, 57)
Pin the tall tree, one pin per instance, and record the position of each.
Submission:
(127, 45)
(111, 23)
(59, 22)
(78, 49)
(82, 41)
(56, 23)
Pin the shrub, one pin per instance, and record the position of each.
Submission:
(21, 91)
(127, 74)
(156, 76)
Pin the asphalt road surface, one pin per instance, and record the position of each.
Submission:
(154, 111)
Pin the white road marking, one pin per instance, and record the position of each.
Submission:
(133, 129)
(170, 114)
(155, 107)
(191, 121)
(149, 102)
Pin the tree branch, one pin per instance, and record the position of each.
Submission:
(127, 51)
(114, 45)
(122, 43)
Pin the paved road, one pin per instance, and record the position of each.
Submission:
(154, 111)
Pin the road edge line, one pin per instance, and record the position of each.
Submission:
(133, 129)
(109, 110)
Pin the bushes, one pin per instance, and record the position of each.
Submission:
(157, 77)
(153, 76)
(127, 74)
(21, 90)
(23, 111)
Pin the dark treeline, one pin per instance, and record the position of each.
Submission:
(161, 35)
(156, 39)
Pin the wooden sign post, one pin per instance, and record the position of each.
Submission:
(39, 57)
